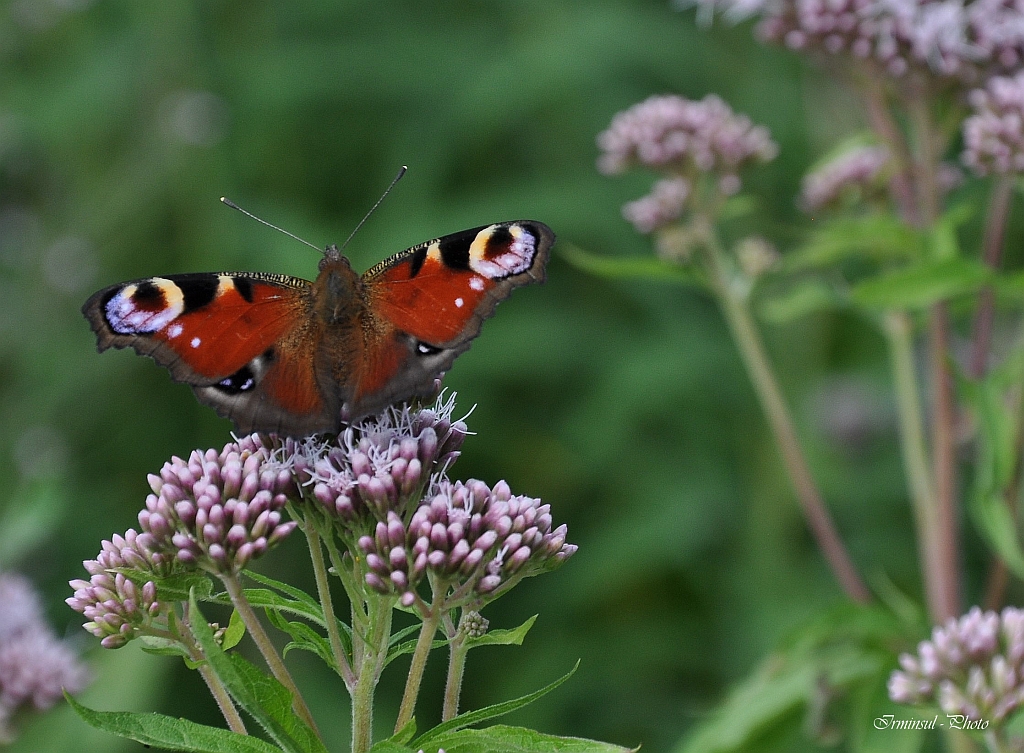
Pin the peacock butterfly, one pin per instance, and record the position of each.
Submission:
(281, 354)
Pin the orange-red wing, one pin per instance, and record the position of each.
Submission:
(203, 327)
(440, 292)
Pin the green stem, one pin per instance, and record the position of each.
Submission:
(733, 301)
(369, 669)
(994, 742)
(943, 569)
(263, 643)
(458, 649)
(885, 125)
(419, 659)
(899, 332)
(217, 688)
(992, 251)
(323, 587)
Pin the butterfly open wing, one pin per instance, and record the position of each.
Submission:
(429, 302)
(240, 340)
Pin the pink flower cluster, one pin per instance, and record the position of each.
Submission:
(688, 141)
(973, 666)
(948, 38)
(994, 133)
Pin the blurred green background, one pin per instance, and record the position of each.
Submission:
(623, 404)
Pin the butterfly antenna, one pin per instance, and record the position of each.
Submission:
(374, 207)
(233, 205)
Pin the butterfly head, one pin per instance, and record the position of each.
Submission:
(332, 255)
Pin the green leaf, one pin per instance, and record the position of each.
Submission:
(406, 734)
(172, 588)
(921, 285)
(798, 300)
(296, 593)
(262, 696)
(169, 733)
(430, 737)
(841, 648)
(234, 632)
(881, 237)
(270, 600)
(166, 647)
(942, 241)
(627, 267)
(504, 739)
(996, 524)
(304, 638)
(995, 468)
(389, 746)
(407, 647)
(513, 637)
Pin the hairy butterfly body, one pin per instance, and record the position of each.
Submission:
(282, 354)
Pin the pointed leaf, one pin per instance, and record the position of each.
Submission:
(430, 737)
(513, 637)
(921, 285)
(170, 733)
(799, 300)
(882, 237)
(627, 267)
(304, 638)
(504, 739)
(234, 632)
(261, 696)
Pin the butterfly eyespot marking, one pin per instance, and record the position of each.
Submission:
(426, 349)
(143, 307)
(242, 380)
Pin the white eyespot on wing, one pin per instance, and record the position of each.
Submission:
(459, 303)
(174, 330)
(196, 342)
(144, 307)
(515, 259)
(476, 283)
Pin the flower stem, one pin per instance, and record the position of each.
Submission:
(994, 742)
(992, 251)
(263, 643)
(217, 688)
(885, 125)
(942, 569)
(737, 313)
(899, 333)
(323, 587)
(458, 649)
(424, 643)
(369, 669)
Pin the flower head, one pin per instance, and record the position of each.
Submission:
(994, 134)
(469, 535)
(661, 206)
(973, 666)
(949, 39)
(854, 170)
(116, 607)
(220, 510)
(35, 667)
(679, 135)
(383, 463)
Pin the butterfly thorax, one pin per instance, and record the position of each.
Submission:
(336, 293)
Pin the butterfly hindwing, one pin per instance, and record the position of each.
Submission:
(241, 340)
(430, 301)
